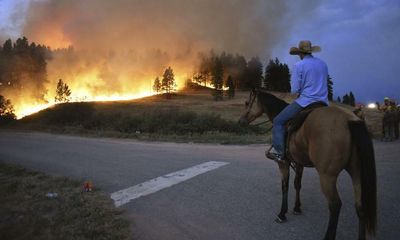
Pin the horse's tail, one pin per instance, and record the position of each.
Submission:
(366, 158)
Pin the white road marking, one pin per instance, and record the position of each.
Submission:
(128, 194)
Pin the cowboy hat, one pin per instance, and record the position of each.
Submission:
(304, 47)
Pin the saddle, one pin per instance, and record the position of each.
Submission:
(297, 121)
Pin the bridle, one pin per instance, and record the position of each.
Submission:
(250, 103)
(252, 99)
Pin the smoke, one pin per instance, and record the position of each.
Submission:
(178, 26)
(120, 46)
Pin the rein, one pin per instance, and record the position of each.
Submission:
(253, 96)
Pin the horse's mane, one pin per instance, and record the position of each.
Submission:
(274, 104)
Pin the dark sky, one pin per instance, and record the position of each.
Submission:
(360, 40)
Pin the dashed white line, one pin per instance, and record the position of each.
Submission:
(128, 194)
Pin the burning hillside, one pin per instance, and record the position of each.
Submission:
(113, 50)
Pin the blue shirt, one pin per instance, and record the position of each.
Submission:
(310, 81)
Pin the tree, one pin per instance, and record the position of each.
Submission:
(330, 88)
(63, 92)
(345, 99)
(23, 66)
(6, 110)
(277, 76)
(352, 99)
(157, 85)
(338, 100)
(217, 75)
(254, 73)
(231, 87)
(349, 99)
(239, 72)
(168, 81)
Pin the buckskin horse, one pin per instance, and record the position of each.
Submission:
(331, 139)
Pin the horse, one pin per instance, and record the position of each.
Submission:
(331, 139)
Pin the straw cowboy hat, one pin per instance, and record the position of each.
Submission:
(304, 47)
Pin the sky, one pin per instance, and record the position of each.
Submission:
(359, 40)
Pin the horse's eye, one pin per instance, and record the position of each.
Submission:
(246, 103)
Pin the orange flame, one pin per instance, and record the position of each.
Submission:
(80, 92)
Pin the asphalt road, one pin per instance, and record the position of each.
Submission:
(236, 201)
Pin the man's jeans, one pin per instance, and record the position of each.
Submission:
(279, 130)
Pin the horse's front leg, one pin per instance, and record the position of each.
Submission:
(297, 186)
(284, 168)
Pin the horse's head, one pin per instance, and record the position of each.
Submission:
(253, 109)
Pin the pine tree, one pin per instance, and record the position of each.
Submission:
(6, 109)
(346, 99)
(217, 76)
(157, 85)
(63, 92)
(231, 87)
(330, 88)
(254, 73)
(339, 100)
(352, 99)
(168, 81)
(277, 76)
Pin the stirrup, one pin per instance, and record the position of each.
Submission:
(274, 156)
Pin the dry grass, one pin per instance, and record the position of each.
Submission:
(26, 212)
(115, 119)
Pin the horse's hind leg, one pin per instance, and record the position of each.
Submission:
(328, 185)
(297, 186)
(284, 169)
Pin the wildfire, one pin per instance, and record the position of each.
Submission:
(84, 93)
(26, 109)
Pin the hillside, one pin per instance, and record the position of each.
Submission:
(190, 115)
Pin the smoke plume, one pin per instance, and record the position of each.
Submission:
(120, 46)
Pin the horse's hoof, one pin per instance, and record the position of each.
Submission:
(297, 212)
(280, 219)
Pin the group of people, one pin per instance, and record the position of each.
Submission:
(391, 119)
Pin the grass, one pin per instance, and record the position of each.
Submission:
(27, 213)
(189, 116)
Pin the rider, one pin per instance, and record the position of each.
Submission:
(309, 81)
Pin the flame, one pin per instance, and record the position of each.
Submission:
(26, 109)
(81, 92)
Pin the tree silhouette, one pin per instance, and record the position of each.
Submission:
(277, 76)
(6, 110)
(23, 66)
(338, 100)
(63, 92)
(231, 87)
(330, 88)
(217, 76)
(254, 73)
(352, 99)
(168, 81)
(157, 85)
(346, 99)
(349, 99)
